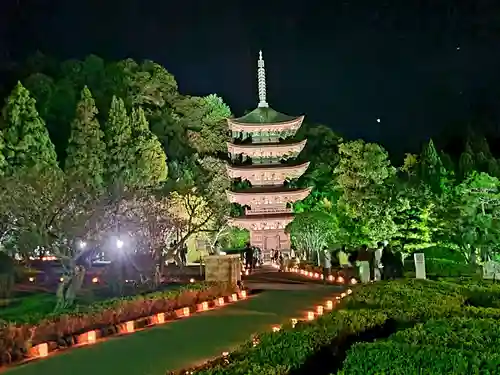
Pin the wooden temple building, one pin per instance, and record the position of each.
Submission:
(262, 155)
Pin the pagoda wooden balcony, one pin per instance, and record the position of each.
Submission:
(267, 197)
(267, 151)
(266, 174)
(277, 221)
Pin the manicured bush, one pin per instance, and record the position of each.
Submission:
(287, 350)
(456, 333)
(16, 339)
(405, 359)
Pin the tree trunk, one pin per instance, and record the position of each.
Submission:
(69, 287)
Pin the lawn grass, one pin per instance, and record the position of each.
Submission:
(182, 343)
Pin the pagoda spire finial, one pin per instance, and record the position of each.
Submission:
(261, 79)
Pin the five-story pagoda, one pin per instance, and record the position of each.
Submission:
(259, 142)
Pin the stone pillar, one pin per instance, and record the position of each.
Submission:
(419, 265)
(223, 268)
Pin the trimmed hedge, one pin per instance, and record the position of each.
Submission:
(405, 359)
(287, 350)
(438, 333)
(17, 339)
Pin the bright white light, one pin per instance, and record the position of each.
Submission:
(378, 120)
(119, 244)
(83, 244)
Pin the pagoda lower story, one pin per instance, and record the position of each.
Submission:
(261, 136)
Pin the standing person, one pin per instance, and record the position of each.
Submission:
(327, 263)
(183, 254)
(248, 256)
(377, 262)
(344, 258)
(387, 260)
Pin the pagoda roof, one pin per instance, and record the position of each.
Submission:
(259, 149)
(276, 166)
(264, 115)
(262, 222)
(262, 196)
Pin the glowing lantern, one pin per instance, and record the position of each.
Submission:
(61, 279)
(322, 277)
(234, 297)
(186, 311)
(311, 274)
(91, 337)
(354, 281)
(340, 279)
(330, 278)
(191, 280)
(159, 318)
(276, 328)
(319, 310)
(247, 272)
(329, 305)
(316, 275)
(204, 306)
(41, 350)
(294, 322)
(225, 354)
(310, 315)
(337, 298)
(95, 280)
(349, 291)
(129, 327)
(343, 295)
(243, 294)
(220, 301)
(32, 279)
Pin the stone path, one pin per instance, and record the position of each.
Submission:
(193, 340)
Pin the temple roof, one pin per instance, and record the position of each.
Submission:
(267, 217)
(264, 115)
(276, 166)
(267, 189)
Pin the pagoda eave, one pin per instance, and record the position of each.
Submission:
(262, 222)
(266, 174)
(260, 197)
(293, 125)
(266, 149)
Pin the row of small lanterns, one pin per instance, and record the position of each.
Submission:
(319, 276)
(309, 316)
(91, 337)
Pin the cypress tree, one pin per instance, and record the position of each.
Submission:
(117, 136)
(150, 162)
(86, 149)
(27, 141)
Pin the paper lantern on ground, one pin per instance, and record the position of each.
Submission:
(276, 328)
(234, 297)
(203, 306)
(343, 295)
(310, 315)
(340, 280)
(316, 275)
(319, 310)
(331, 278)
(220, 301)
(160, 318)
(128, 327)
(329, 305)
(186, 311)
(294, 322)
(243, 294)
(354, 281)
(349, 291)
(40, 350)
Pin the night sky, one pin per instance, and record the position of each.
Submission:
(423, 68)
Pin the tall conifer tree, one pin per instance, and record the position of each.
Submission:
(27, 141)
(86, 150)
(117, 135)
(150, 161)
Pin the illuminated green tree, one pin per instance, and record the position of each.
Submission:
(150, 165)
(86, 150)
(27, 141)
(118, 135)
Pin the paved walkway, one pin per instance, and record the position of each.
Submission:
(182, 343)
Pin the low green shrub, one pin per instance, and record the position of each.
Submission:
(443, 267)
(16, 338)
(406, 359)
(455, 333)
(284, 351)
